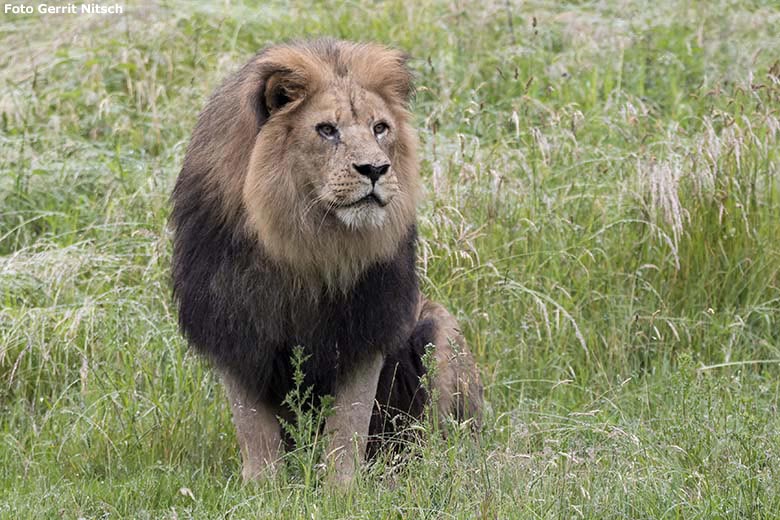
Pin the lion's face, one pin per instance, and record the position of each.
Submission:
(341, 153)
(332, 182)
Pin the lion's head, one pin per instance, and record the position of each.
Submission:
(310, 147)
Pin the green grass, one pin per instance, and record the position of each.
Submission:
(602, 215)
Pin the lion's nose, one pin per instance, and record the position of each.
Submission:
(372, 171)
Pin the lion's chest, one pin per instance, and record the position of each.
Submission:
(337, 332)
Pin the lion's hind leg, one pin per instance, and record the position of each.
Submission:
(406, 386)
(456, 385)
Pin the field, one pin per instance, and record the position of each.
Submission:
(602, 213)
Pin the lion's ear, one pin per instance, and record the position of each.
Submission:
(278, 88)
(286, 76)
(283, 87)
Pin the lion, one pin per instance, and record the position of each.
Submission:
(293, 222)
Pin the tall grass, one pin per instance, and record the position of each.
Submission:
(602, 215)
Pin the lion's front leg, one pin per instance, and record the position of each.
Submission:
(257, 429)
(347, 427)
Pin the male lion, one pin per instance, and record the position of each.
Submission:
(294, 224)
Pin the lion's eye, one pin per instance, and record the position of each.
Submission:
(327, 130)
(380, 129)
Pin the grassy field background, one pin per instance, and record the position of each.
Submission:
(602, 214)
